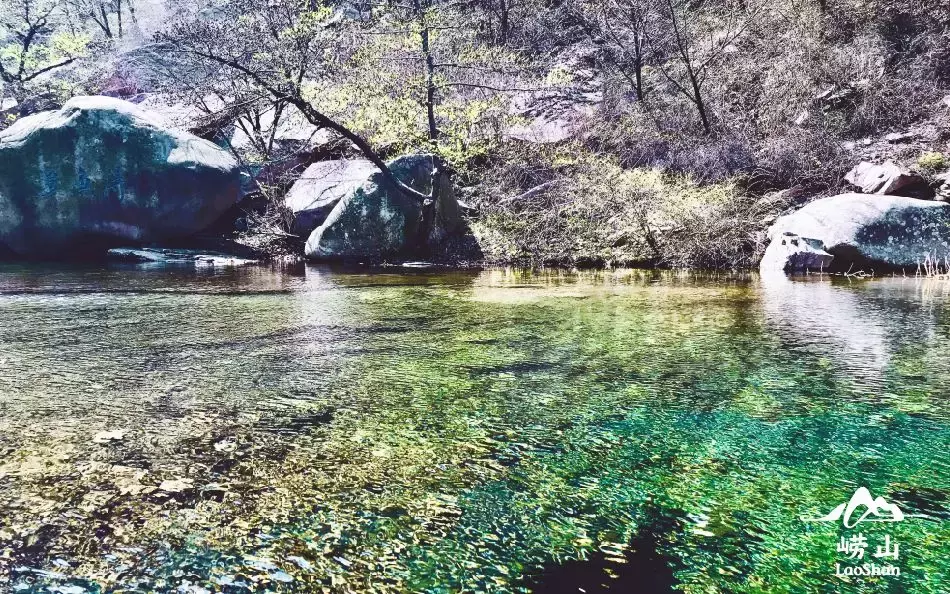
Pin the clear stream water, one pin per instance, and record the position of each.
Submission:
(318, 430)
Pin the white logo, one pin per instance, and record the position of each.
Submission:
(875, 510)
(862, 507)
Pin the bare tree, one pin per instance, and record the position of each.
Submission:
(694, 40)
(281, 49)
(620, 27)
(107, 15)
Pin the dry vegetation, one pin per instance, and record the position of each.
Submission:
(694, 115)
(787, 88)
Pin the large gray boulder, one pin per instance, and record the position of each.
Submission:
(314, 195)
(375, 222)
(101, 172)
(860, 232)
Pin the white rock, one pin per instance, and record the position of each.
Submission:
(104, 437)
(176, 485)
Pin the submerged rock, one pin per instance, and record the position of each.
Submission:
(160, 256)
(860, 232)
(375, 222)
(104, 437)
(100, 172)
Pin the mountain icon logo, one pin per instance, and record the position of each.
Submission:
(875, 510)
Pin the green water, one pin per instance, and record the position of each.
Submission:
(446, 432)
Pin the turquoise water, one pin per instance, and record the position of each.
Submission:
(181, 430)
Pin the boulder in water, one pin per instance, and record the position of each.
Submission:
(860, 232)
(791, 253)
(101, 172)
(376, 222)
(321, 187)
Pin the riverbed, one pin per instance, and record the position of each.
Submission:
(173, 429)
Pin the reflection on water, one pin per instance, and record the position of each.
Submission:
(860, 324)
(254, 430)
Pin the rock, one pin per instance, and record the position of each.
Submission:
(375, 222)
(281, 576)
(292, 129)
(300, 562)
(214, 492)
(835, 97)
(861, 232)
(68, 589)
(900, 137)
(176, 485)
(100, 172)
(321, 187)
(551, 118)
(782, 198)
(179, 116)
(104, 437)
(159, 256)
(225, 445)
(889, 179)
(564, 109)
(943, 189)
(791, 253)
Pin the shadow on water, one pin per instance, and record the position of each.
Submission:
(644, 569)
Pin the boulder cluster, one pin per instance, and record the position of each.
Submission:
(893, 224)
(103, 173)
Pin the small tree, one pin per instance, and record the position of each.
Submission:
(428, 75)
(621, 28)
(693, 38)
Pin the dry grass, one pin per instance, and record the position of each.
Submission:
(579, 208)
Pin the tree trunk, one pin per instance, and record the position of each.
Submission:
(504, 24)
(104, 25)
(430, 72)
(698, 100)
(638, 73)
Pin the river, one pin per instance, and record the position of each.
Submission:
(318, 429)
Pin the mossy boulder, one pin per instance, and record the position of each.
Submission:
(101, 172)
(375, 222)
(315, 194)
(872, 233)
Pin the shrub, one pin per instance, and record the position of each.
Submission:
(593, 211)
(931, 161)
